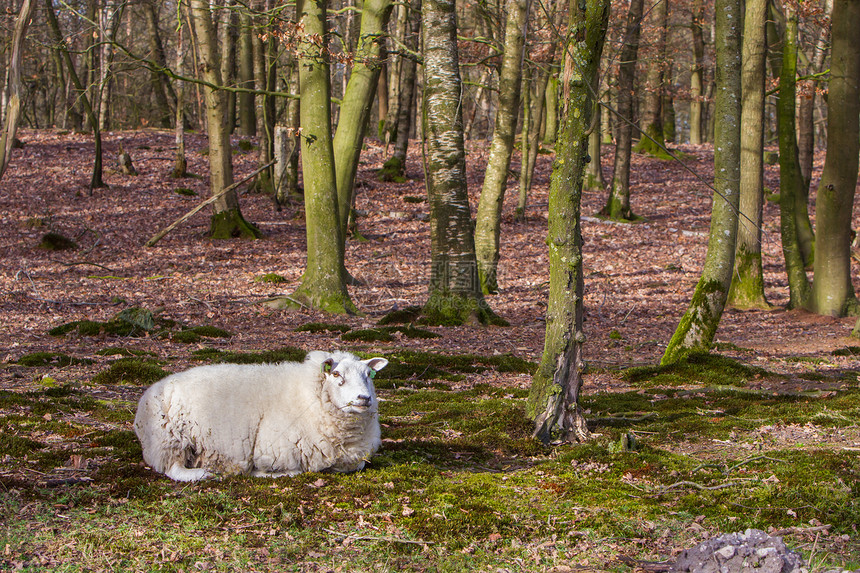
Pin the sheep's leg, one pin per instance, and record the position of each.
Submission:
(179, 472)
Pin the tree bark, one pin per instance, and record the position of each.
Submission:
(697, 73)
(553, 401)
(618, 203)
(832, 291)
(13, 88)
(180, 166)
(80, 88)
(323, 285)
(160, 82)
(652, 114)
(245, 102)
(489, 217)
(697, 327)
(790, 179)
(357, 103)
(227, 220)
(747, 290)
(455, 295)
(110, 16)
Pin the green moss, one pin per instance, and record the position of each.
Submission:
(271, 278)
(130, 371)
(615, 335)
(50, 359)
(847, 351)
(410, 331)
(245, 145)
(695, 368)
(285, 354)
(185, 191)
(400, 316)
(57, 242)
(367, 335)
(414, 199)
(392, 171)
(323, 327)
(448, 309)
(230, 224)
(122, 351)
(17, 446)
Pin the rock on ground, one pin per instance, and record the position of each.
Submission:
(752, 551)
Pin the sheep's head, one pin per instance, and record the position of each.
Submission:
(349, 383)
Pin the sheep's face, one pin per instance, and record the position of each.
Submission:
(350, 384)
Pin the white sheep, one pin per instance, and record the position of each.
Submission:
(262, 419)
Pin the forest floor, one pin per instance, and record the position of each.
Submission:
(766, 428)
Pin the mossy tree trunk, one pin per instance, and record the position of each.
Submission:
(455, 295)
(618, 203)
(652, 114)
(323, 285)
(832, 291)
(245, 101)
(489, 217)
(553, 401)
(357, 102)
(14, 88)
(697, 73)
(747, 289)
(790, 178)
(227, 220)
(697, 327)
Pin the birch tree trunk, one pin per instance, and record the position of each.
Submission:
(699, 324)
(553, 401)
(455, 295)
(227, 220)
(489, 217)
(832, 291)
(13, 88)
(618, 203)
(747, 289)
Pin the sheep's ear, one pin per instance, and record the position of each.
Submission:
(327, 365)
(376, 364)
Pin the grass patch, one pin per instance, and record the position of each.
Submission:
(197, 333)
(122, 351)
(367, 335)
(401, 316)
(57, 242)
(185, 191)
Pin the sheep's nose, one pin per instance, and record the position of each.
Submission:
(364, 399)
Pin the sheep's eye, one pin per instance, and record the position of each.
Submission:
(336, 374)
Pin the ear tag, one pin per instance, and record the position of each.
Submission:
(326, 367)
(372, 373)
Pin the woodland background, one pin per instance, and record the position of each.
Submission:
(760, 432)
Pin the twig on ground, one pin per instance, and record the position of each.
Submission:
(76, 263)
(796, 530)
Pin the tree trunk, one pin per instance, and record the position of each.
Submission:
(593, 171)
(110, 15)
(265, 73)
(245, 102)
(550, 132)
(553, 401)
(80, 88)
(159, 80)
(832, 291)
(534, 101)
(618, 204)
(697, 73)
(747, 289)
(790, 179)
(396, 166)
(227, 220)
(228, 39)
(455, 295)
(323, 285)
(13, 88)
(287, 169)
(357, 103)
(652, 115)
(806, 108)
(699, 324)
(180, 166)
(489, 217)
